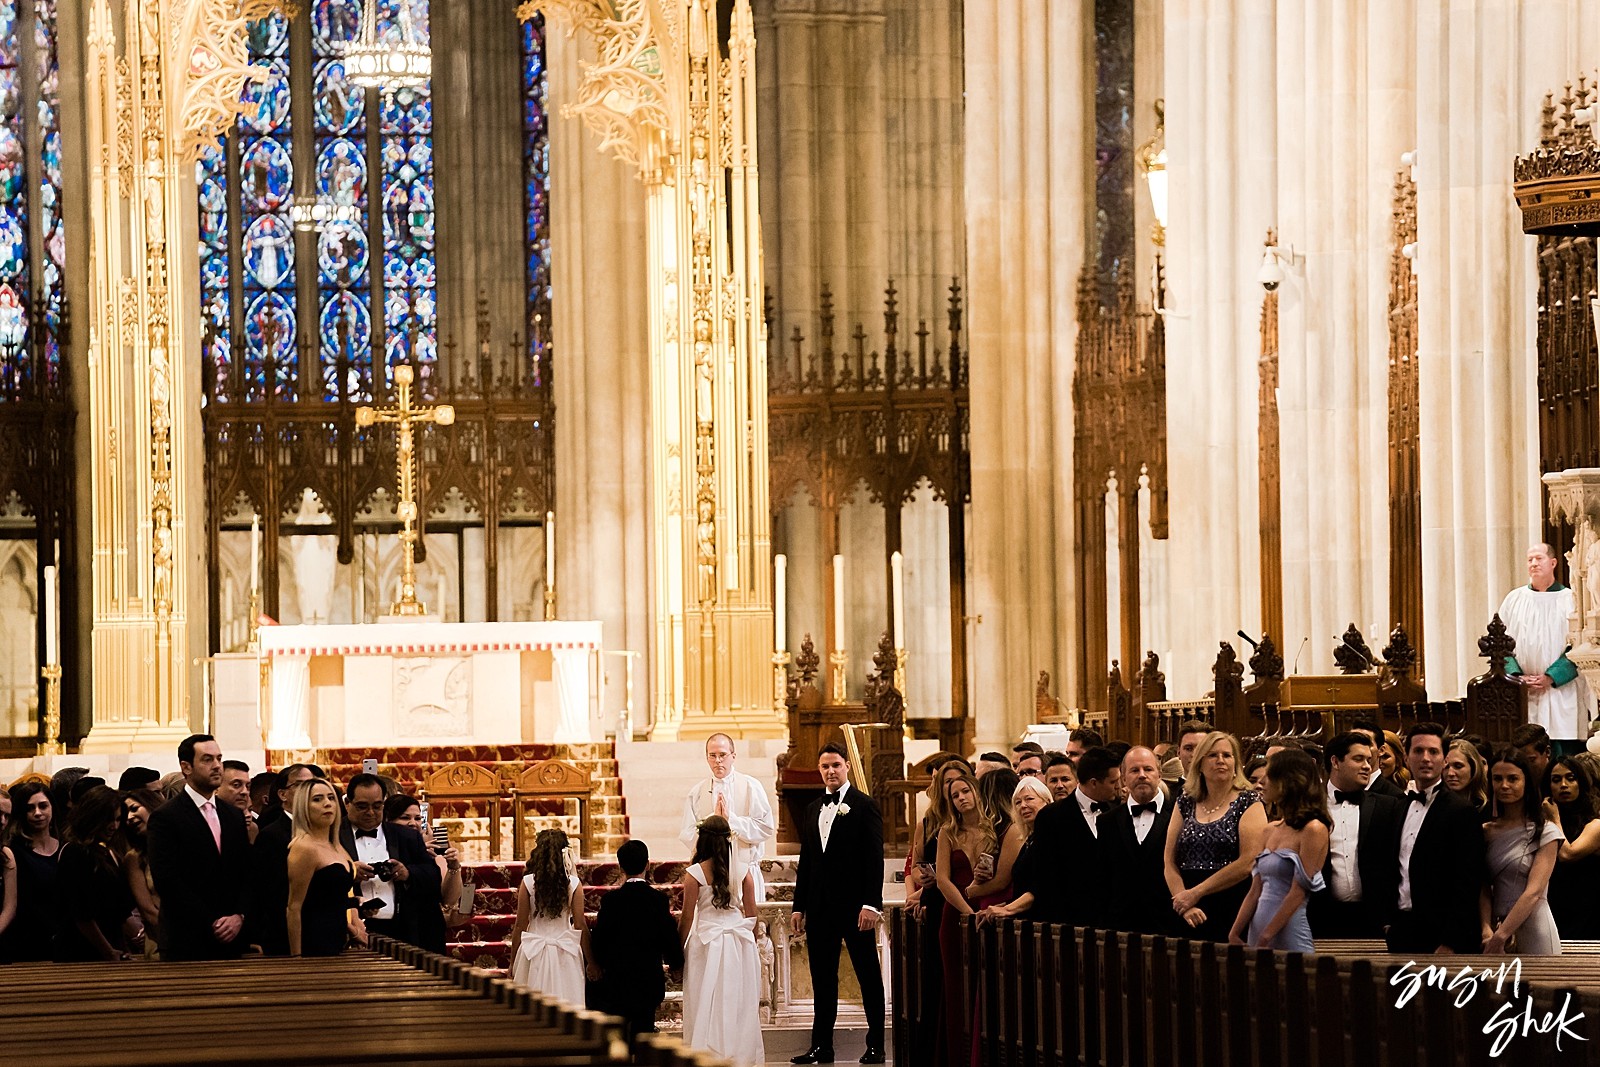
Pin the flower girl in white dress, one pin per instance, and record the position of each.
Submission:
(550, 939)
(722, 968)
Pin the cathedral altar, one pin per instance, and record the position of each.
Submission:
(419, 683)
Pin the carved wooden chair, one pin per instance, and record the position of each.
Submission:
(31, 776)
(458, 784)
(550, 779)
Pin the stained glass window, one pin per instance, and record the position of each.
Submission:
(32, 245)
(368, 158)
(536, 177)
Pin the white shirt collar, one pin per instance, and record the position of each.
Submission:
(199, 801)
(1160, 802)
(843, 789)
(1084, 800)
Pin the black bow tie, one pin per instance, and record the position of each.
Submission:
(830, 798)
(1098, 805)
(1353, 796)
(1140, 809)
(366, 833)
(1420, 796)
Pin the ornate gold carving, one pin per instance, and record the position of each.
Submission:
(123, 159)
(623, 96)
(1558, 183)
(209, 41)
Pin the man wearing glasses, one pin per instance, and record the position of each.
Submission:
(736, 797)
(396, 879)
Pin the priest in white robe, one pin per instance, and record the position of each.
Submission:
(1536, 615)
(738, 798)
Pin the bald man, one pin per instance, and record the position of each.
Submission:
(738, 798)
(1144, 902)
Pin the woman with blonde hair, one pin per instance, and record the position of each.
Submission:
(1212, 840)
(320, 915)
(966, 834)
(1467, 774)
(925, 905)
(1030, 798)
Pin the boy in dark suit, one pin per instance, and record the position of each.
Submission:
(634, 936)
(1441, 857)
(1361, 876)
(838, 900)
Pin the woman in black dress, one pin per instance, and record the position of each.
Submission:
(925, 907)
(35, 850)
(1212, 840)
(320, 913)
(93, 903)
(1574, 805)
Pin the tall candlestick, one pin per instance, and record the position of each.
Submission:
(255, 554)
(549, 550)
(780, 602)
(52, 617)
(897, 591)
(838, 603)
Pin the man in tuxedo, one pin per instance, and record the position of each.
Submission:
(838, 899)
(1074, 842)
(1144, 903)
(1383, 787)
(634, 936)
(199, 855)
(1440, 857)
(1360, 872)
(1059, 776)
(394, 868)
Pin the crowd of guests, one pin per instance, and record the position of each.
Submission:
(212, 863)
(1430, 842)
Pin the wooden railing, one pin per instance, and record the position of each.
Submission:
(1045, 996)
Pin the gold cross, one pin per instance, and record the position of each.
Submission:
(404, 415)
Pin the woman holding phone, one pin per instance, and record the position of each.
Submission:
(407, 811)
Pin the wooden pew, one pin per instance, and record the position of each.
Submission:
(300, 1011)
(1049, 995)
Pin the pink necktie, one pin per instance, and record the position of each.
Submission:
(209, 810)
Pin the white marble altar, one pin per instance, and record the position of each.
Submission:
(408, 683)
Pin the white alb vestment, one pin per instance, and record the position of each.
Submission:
(1538, 622)
(749, 817)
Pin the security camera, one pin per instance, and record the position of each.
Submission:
(1271, 273)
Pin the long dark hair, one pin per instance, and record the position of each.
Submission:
(715, 843)
(548, 866)
(149, 800)
(1532, 809)
(1301, 798)
(93, 824)
(20, 794)
(1578, 813)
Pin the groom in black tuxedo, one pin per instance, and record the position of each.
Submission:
(838, 899)
(199, 860)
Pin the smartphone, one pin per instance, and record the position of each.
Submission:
(369, 766)
(441, 838)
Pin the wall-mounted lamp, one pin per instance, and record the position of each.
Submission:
(1410, 252)
(1273, 258)
(1151, 160)
(1409, 159)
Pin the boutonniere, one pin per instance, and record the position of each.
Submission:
(844, 809)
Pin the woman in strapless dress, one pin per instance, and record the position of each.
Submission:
(320, 914)
(1288, 869)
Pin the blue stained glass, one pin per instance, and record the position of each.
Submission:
(13, 248)
(342, 255)
(347, 311)
(10, 40)
(267, 99)
(268, 36)
(536, 179)
(338, 102)
(270, 314)
(12, 179)
(342, 172)
(269, 252)
(335, 22)
(266, 175)
(214, 272)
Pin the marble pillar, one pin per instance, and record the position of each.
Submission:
(601, 342)
(1029, 207)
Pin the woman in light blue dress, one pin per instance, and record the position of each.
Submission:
(1288, 868)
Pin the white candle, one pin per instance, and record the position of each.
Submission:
(255, 554)
(898, 594)
(730, 570)
(550, 550)
(780, 602)
(838, 603)
(52, 617)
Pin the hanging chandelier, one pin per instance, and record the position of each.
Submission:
(405, 63)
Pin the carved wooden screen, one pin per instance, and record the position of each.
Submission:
(1405, 464)
(890, 420)
(1119, 402)
(1270, 476)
